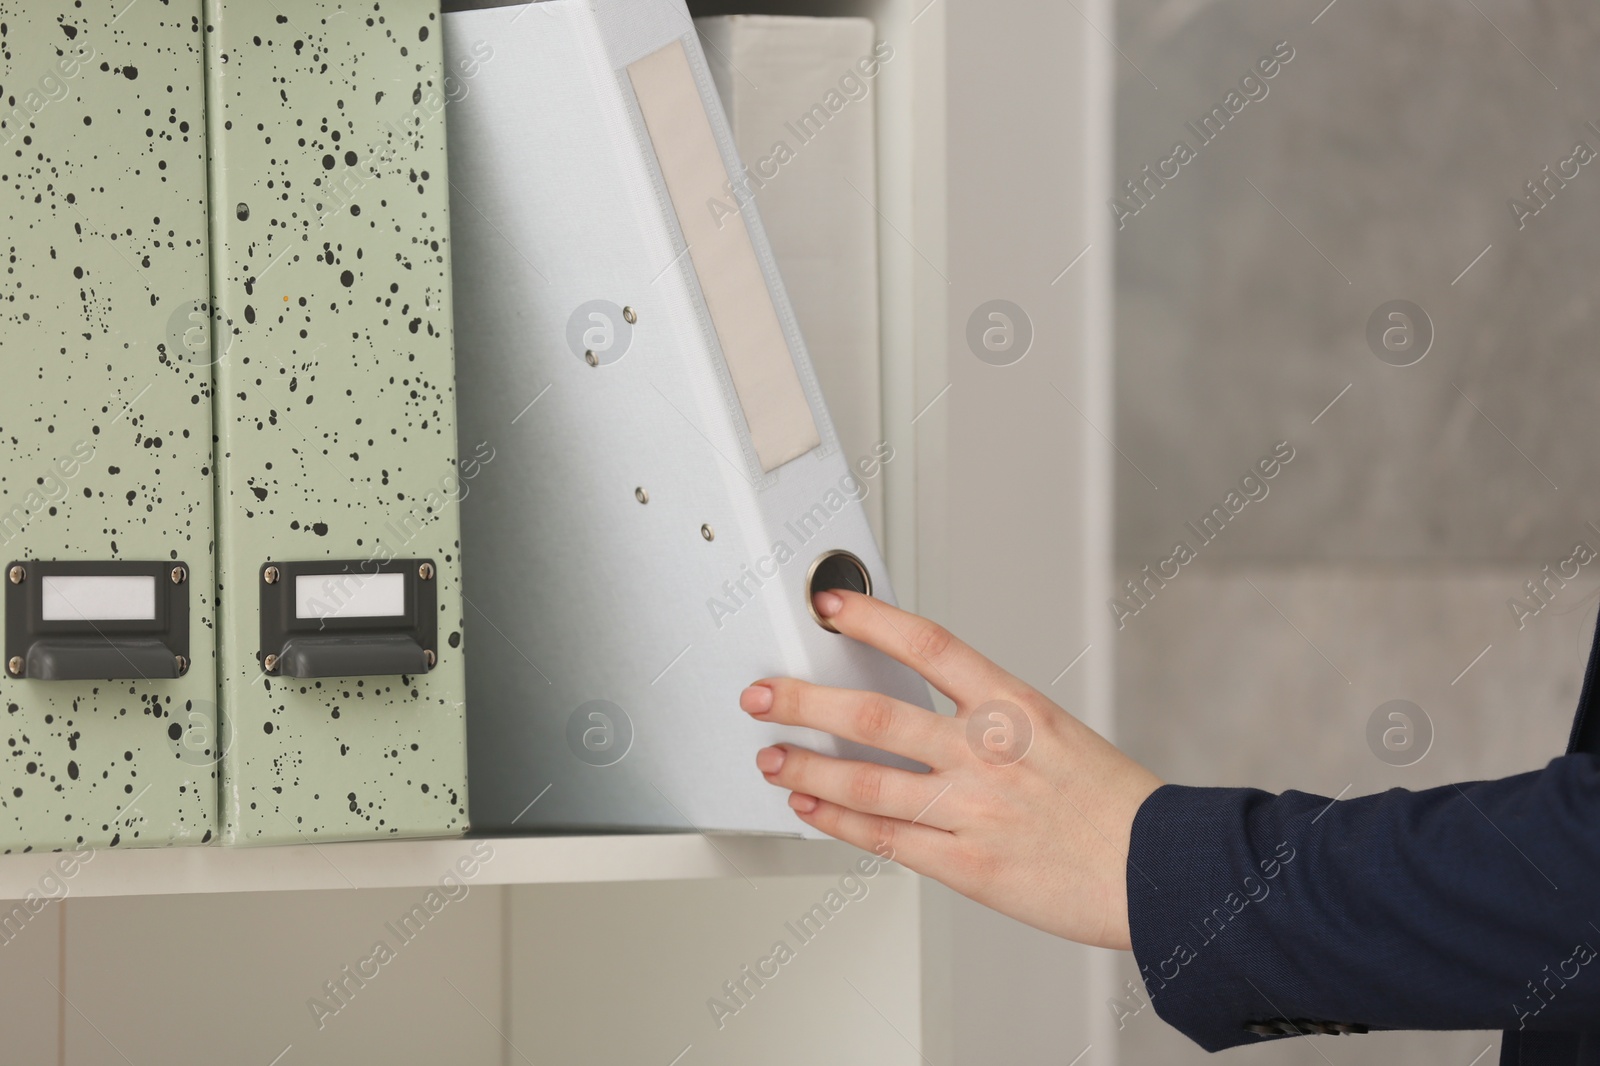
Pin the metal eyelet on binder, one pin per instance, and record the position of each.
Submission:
(837, 569)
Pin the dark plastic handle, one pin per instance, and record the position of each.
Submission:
(334, 655)
(99, 659)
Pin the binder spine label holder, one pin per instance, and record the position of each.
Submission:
(348, 619)
(94, 621)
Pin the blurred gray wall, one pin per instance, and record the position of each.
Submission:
(1377, 167)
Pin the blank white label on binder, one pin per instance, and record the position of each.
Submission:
(736, 293)
(349, 595)
(98, 598)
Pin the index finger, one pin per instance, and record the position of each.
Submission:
(945, 662)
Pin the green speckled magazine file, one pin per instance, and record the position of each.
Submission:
(335, 421)
(105, 411)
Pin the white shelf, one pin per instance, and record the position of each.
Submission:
(420, 863)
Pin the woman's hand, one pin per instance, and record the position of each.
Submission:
(1026, 809)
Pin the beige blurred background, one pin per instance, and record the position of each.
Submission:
(1378, 167)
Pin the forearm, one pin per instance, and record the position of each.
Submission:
(1463, 907)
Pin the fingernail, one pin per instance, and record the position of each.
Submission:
(770, 760)
(757, 699)
(803, 803)
(827, 603)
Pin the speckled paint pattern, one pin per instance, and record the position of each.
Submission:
(335, 406)
(105, 406)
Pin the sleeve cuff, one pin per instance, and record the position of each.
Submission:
(1197, 886)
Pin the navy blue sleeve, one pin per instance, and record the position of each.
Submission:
(1473, 906)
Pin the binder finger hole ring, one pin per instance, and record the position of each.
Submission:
(837, 569)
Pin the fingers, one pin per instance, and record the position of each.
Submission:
(865, 717)
(918, 847)
(947, 664)
(860, 786)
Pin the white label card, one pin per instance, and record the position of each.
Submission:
(98, 598)
(349, 595)
(724, 259)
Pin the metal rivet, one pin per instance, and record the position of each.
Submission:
(179, 574)
(629, 315)
(270, 663)
(425, 571)
(641, 495)
(590, 358)
(430, 657)
(15, 665)
(18, 575)
(708, 533)
(270, 575)
(183, 665)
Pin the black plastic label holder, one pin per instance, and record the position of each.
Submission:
(87, 649)
(339, 643)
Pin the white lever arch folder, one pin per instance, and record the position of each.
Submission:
(667, 478)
